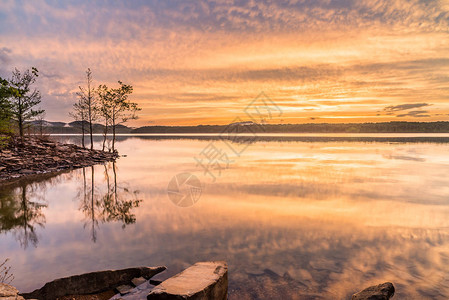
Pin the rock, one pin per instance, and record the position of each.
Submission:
(26, 171)
(203, 280)
(91, 283)
(7, 290)
(382, 291)
(124, 289)
(155, 282)
(34, 156)
(138, 281)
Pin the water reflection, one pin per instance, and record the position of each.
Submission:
(108, 201)
(101, 200)
(326, 216)
(19, 214)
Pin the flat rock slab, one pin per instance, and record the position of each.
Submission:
(382, 291)
(203, 280)
(124, 289)
(138, 293)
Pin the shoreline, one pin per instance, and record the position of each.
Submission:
(34, 157)
(202, 280)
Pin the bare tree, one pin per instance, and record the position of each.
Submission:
(5, 273)
(41, 124)
(23, 103)
(87, 97)
(80, 113)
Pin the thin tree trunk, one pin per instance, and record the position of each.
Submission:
(105, 134)
(113, 131)
(19, 119)
(82, 129)
(113, 138)
(90, 123)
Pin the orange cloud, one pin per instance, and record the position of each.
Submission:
(198, 62)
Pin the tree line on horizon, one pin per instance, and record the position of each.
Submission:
(381, 127)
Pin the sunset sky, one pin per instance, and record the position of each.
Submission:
(202, 62)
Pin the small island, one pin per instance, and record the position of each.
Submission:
(25, 146)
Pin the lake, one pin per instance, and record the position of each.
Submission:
(325, 215)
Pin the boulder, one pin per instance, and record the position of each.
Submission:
(91, 283)
(382, 291)
(203, 280)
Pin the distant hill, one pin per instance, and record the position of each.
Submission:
(382, 127)
(75, 127)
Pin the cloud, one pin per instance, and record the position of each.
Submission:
(404, 106)
(214, 56)
(415, 114)
(4, 55)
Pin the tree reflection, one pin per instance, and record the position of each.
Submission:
(21, 212)
(89, 203)
(112, 201)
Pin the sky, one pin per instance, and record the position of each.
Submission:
(205, 62)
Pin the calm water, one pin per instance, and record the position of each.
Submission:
(325, 215)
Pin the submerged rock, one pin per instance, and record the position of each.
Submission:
(382, 291)
(124, 289)
(203, 280)
(91, 283)
(138, 281)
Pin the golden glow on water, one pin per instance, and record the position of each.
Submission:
(335, 215)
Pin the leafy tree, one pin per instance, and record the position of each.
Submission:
(117, 108)
(103, 108)
(5, 107)
(89, 102)
(26, 98)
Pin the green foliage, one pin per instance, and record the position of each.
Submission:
(6, 91)
(114, 106)
(23, 102)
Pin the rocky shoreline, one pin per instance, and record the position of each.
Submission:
(201, 281)
(32, 156)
